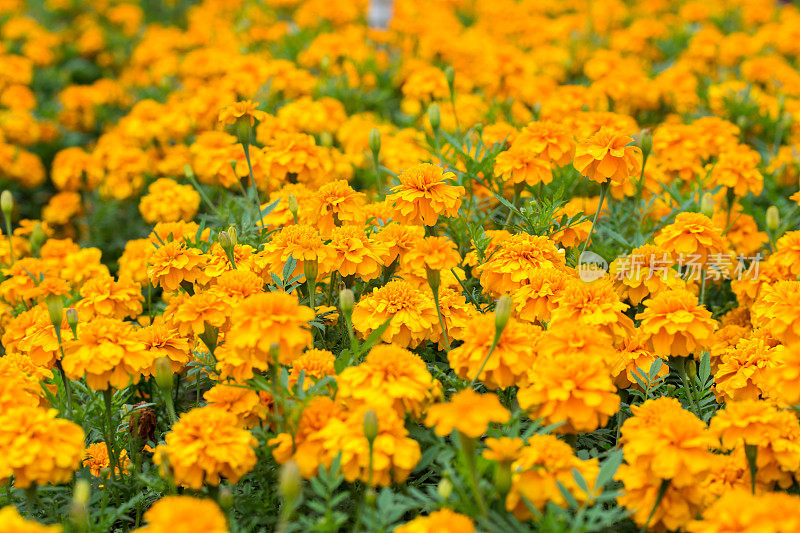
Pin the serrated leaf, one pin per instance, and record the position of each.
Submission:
(608, 468)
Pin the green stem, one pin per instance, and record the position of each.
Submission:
(702, 286)
(485, 360)
(67, 382)
(441, 319)
(681, 364)
(378, 176)
(468, 451)
(603, 191)
(112, 456)
(246, 147)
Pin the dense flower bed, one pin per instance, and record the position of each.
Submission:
(497, 266)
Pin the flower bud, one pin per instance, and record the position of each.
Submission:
(55, 306)
(773, 218)
(224, 240)
(225, 498)
(434, 279)
(7, 203)
(450, 75)
(164, 374)
(646, 142)
(72, 321)
(445, 488)
(38, 236)
(290, 484)
(434, 116)
(691, 368)
(375, 141)
(311, 270)
(326, 139)
(346, 301)
(502, 312)
(502, 477)
(370, 425)
(243, 130)
(293, 207)
(707, 205)
(80, 500)
(233, 235)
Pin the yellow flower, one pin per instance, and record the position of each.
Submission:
(423, 195)
(593, 304)
(244, 110)
(691, 236)
(433, 253)
(503, 450)
(633, 354)
(262, 320)
(104, 296)
(315, 363)
(195, 311)
(787, 254)
(535, 301)
(169, 201)
(675, 324)
(13, 522)
(511, 359)
(515, 260)
(740, 510)
(301, 242)
(38, 448)
(442, 521)
(412, 312)
(333, 204)
(393, 374)
(741, 369)
(468, 412)
(162, 340)
(543, 464)
(354, 253)
(777, 311)
(606, 156)
(173, 264)
(184, 514)
(108, 353)
(238, 400)
(205, 444)
(96, 459)
(737, 169)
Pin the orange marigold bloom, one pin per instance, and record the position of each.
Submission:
(236, 285)
(38, 448)
(594, 304)
(108, 352)
(468, 412)
(423, 195)
(399, 239)
(173, 264)
(774, 431)
(301, 242)
(433, 253)
(205, 444)
(456, 313)
(675, 324)
(741, 369)
(96, 459)
(692, 234)
(184, 514)
(787, 254)
(632, 354)
(162, 340)
(333, 204)
(777, 311)
(511, 266)
(104, 296)
(441, 521)
(737, 169)
(315, 364)
(544, 464)
(551, 140)
(662, 441)
(606, 156)
(32, 333)
(412, 312)
(169, 201)
(13, 522)
(741, 510)
(354, 253)
(511, 359)
(646, 271)
(194, 312)
(262, 320)
(780, 381)
(521, 164)
(389, 373)
(244, 110)
(245, 403)
(535, 301)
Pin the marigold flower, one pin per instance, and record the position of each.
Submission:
(315, 364)
(741, 510)
(423, 195)
(521, 164)
(184, 514)
(594, 304)
(692, 235)
(774, 431)
(38, 448)
(300, 242)
(632, 354)
(675, 324)
(776, 310)
(787, 254)
(174, 263)
(205, 444)
(399, 239)
(393, 374)
(535, 301)
(104, 296)
(441, 521)
(352, 252)
(333, 204)
(262, 320)
(162, 340)
(511, 266)
(503, 450)
(96, 459)
(646, 271)
(468, 412)
(32, 333)
(544, 464)
(244, 110)
(194, 312)
(511, 359)
(238, 400)
(108, 353)
(14, 522)
(737, 169)
(412, 312)
(741, 369)
(551, 140)
(169, 201)
(433, 253)
(607, 156)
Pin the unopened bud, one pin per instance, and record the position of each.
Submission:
(450, 74)
(346, 301)
(707, 205)
(225, 498)
(72, 321)
(773, 218)
(370, 425)
(311, 270)
(434, 116)
(233, 235)
(293, 207)
(502, 312)
(164, 374)
(691, 368)
(434, 279)
(7, 203)
(646, 142)
(326, 139)
(502, 477)
(80, 500)
(38, 237)
(290, 484)
(445, 488)
(55, 306)
(375, 141)
(224, 240)
(243, 130)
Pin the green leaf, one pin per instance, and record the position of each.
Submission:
(373, 338)
(608, 469)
